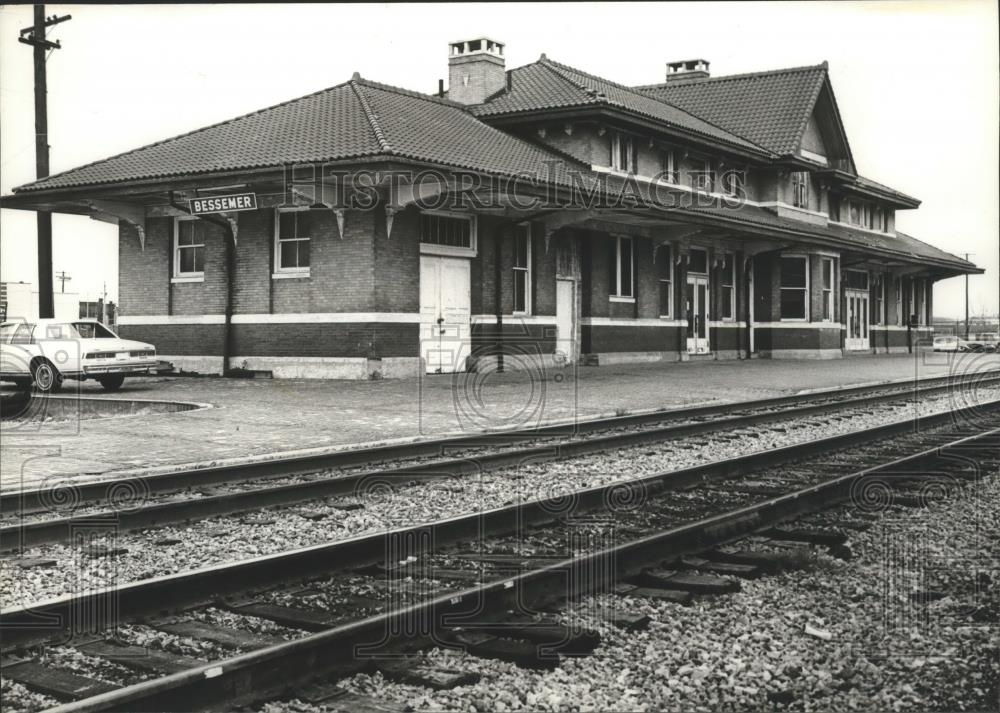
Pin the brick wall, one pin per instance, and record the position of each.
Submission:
(143, 274)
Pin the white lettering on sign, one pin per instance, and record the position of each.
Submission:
(222, 204)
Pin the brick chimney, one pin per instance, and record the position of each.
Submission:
(475, 70)
(688, 69)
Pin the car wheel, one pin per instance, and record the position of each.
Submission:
(48, 380)
(112, 383)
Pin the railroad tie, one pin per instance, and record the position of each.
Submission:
(521, 653)
(55, 682)
(141, 658)
(221, 635)
(416, 671)
(293, 617)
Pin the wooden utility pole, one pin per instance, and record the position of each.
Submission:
(967, 256)
(63, 278)
(35, 36)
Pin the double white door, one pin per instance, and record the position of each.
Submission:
(857, 320)
(445, 313)
(696, 299)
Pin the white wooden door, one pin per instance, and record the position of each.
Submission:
(857, 320)
(696, 299)
(445, 313)
(566, 319)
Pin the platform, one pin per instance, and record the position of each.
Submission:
(255, 418)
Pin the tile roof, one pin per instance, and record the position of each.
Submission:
(355, 119)
(905, 246)
(545, 85)
(769, 108)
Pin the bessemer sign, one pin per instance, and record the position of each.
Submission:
(224, 204)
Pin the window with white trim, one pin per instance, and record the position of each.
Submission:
(522, 269)
(293, 229)
(700, 175)
(800, 189)
(623, 156)
(448, 230)
(878, 299)
(733, 182)
(665, 267)
(189, 248)
(794, 287)
(668, 166)
(622, 263)
(899, 299)
(827, 270)
(854, 214)
(727, 281)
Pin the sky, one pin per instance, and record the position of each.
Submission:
(916, 83)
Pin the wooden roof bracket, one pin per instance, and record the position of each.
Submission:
(134, 215)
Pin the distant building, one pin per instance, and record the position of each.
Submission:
(19, 301)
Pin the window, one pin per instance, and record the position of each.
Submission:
(189, 248)
(23, 333)
(701, 176)
(800, 189)
(92, 330)
(794, 287)
(733, 182)
(899, 300)
(665, 264)
(668, 167)
(884, 224)
(855, 213)
(291, 243)
(622, 153)
(698, 261)
(874, 218)
(878, 299)
(826, 267)
(454, 233)
(622, 283)
(522, 269)
(728, 282)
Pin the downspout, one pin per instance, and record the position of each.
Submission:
(497, 296)
(747, 262)
(227, 331)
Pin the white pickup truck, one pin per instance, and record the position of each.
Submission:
(48, 350)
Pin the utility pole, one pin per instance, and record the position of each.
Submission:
(35, 36)
(63, 278)
(967, 256)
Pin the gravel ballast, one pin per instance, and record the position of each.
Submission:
(751, 650)
(178, 548)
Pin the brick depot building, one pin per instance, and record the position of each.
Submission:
(368, 230)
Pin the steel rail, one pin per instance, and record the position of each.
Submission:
(60, 529)
(101, 609)
(40, 499)
(276, 669)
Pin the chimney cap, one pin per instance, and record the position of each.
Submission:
(479, 45)
(687, 65)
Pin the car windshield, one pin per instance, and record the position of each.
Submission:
(7, 331)
(76, 330)
(93, 330)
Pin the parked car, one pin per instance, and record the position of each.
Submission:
(946, 343)
(48, 351)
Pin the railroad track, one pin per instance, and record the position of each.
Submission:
(421, 580)
(185, 496)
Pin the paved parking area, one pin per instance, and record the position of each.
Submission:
(252, 418)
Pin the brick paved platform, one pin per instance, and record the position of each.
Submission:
(253, 418)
